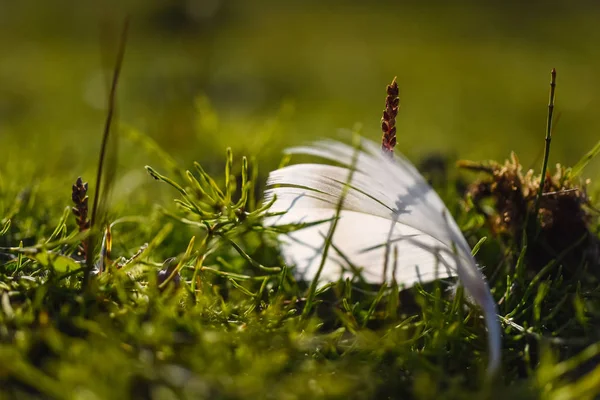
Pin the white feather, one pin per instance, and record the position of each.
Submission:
(388, 210)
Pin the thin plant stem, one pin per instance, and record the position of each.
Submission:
(105, 136)
(547, 140)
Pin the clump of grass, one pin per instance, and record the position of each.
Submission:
(546, 253)
(548, 214)
(563, 218)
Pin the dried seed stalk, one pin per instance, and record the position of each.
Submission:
(388, 121)
(80, 210)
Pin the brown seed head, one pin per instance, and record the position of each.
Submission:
(80, 210)
(388, 121)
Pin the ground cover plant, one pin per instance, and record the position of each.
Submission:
(193, 299)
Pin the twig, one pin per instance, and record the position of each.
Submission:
(548, 140)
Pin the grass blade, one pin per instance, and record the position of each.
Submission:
(581, 164)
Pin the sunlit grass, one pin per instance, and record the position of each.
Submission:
(232, 327)
(237, 325)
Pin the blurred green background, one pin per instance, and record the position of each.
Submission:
(473, 79)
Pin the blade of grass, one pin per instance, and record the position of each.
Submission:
(310, 297)
(183, 259)
(581, 164)
(249, 259)
(5, 228)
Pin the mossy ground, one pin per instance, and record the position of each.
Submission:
(234, 326)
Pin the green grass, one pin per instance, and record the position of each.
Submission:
(238, 324)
